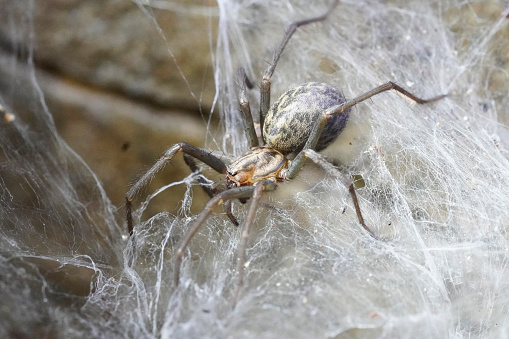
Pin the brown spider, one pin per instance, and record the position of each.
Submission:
(304, 120)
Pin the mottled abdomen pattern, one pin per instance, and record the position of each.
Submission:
(291, 118)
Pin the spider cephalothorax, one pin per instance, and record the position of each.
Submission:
(302, 121)
(259, 163)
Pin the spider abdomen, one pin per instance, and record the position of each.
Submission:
(291, 118)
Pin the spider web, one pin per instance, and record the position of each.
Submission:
(436, 193)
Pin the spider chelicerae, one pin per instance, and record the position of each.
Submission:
(303, 121)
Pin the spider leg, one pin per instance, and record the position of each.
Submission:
(246, 109)
(265, 85)
(206, 187)
(195, 152)
(258, 188)
(308, 150)
(229, 214)
(319, 160)
(338, 109)
(189, 160)
(231, 194)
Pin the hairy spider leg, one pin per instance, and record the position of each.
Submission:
(243, 192)
(318, 127)
(338, 109)
(246, 109)
(320, 160)
(189, 160)
(259, 187)
(201, 154)
(265, 85)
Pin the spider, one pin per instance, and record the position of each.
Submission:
(303, 121)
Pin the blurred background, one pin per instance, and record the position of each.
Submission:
(118, 94)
